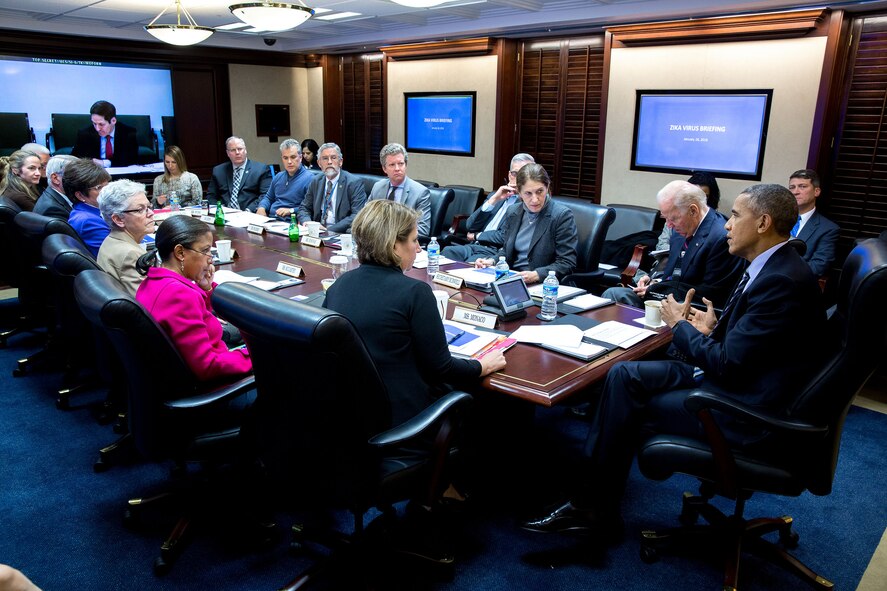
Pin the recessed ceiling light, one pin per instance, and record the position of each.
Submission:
(336, 16)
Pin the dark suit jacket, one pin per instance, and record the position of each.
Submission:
(765, 348)
(707, 264)
(53, 204)
(253, 184)
(126, 146)
(479, 220)
(553, 245)
(350, 199)
(398, 319)
(821, 236)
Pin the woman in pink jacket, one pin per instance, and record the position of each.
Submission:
(177, 294)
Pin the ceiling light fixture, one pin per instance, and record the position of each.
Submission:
(272, 16)
(419, 3)
(178, 33)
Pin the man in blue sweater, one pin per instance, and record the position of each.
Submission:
(288, 186)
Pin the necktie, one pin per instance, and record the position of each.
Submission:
(235, 187)
(327, 201)
(391, 193)
(796, 227)
(109, 148)
(731, 301)
(676, 272)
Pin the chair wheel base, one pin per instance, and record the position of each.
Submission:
(161, 566)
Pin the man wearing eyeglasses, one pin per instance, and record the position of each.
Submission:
(83, 180)
(241, 182)
(484, 234)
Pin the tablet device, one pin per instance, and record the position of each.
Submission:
(511, 294)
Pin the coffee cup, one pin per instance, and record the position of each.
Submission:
(224, 249)
(346, 243)
(441, 298)
(326, 282)
(313, 229)
(340, 265)
(653, 313)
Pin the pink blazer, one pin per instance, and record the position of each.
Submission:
(183, 309)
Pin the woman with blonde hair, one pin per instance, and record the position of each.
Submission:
(176, 178)
(19, 176)
(396, 315)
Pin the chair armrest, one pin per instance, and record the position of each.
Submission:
(214, 395)
(585, 280)
(457, 221)
(699, 400)
(420, 423)
(634, 264)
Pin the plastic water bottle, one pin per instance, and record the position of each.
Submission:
(501, 269)
(433, 256)
(293, 229)
(549, 297)
(175, 204)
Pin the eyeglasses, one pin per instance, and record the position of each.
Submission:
(207, 252)
(139, 211)
(513, 172)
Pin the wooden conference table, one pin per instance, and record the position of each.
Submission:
(534, 374)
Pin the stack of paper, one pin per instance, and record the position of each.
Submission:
(421, 261)
(586, 302)
(465, 341)
(563, 338)
(564, 292)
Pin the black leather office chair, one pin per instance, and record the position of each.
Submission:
(806, 434)
(441, 197)
(465, 200)
(630, 239)
(592, 221)
(171, 414)
(329, 432)
(12, 271)
(368, 180)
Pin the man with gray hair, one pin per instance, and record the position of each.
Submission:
(241, 182)
(484, 235)
(761, 351)
(401, 188)
(334, 198)
(698, 255)
(288, 186)
(53, 202)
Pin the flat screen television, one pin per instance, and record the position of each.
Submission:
(440, 122)
(719, 131)
(272, 120)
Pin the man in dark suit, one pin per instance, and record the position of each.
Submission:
(698, 255)
(334, 198)
(106, 141)
(751, 353)
(53, 202)
(819, 233)
(484, 226)
(241, 182)
(401, 188)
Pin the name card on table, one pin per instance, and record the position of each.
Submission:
(289, 269)
(255, 229)
(475, 317)
(309, 241)
(448, 280)
(208, 219)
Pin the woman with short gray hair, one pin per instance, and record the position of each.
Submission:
(126, 209)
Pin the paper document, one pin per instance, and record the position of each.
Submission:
(467, 341)
(557, 334)
(588, 302)
(564, 292)
(619, 334)
(241, 219)
(421, 261)
(223, 276)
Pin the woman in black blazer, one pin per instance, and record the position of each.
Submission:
(396, 315)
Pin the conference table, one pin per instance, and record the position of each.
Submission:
(533, 374)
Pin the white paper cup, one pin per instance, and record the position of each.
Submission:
(326, 282)
(346, 243)
(313, 229)
(224, 248)
(653, 313)
(340, 265)
(441, 297)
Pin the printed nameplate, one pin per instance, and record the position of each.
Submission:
(255, 229)
(289, 269)
(448, 280)
(474, 317)
(208, 219)
(309, 241)
(198, 213)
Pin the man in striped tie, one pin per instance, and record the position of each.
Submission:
(241, 182)
(762, 351)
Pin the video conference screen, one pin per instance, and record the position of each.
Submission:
(722, 132)
(41, 86)
(440, 122)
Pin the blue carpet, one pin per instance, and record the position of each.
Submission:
(62, 524)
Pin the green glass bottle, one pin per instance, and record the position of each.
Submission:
(294, 229)
(220, 214)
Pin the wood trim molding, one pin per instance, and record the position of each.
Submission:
(440, 49)
(797, 23)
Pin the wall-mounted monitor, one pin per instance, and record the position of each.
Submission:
(440, 122)
(272, 120)
(719, 131)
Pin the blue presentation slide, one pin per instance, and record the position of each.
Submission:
(694, 132)
(440, 123)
